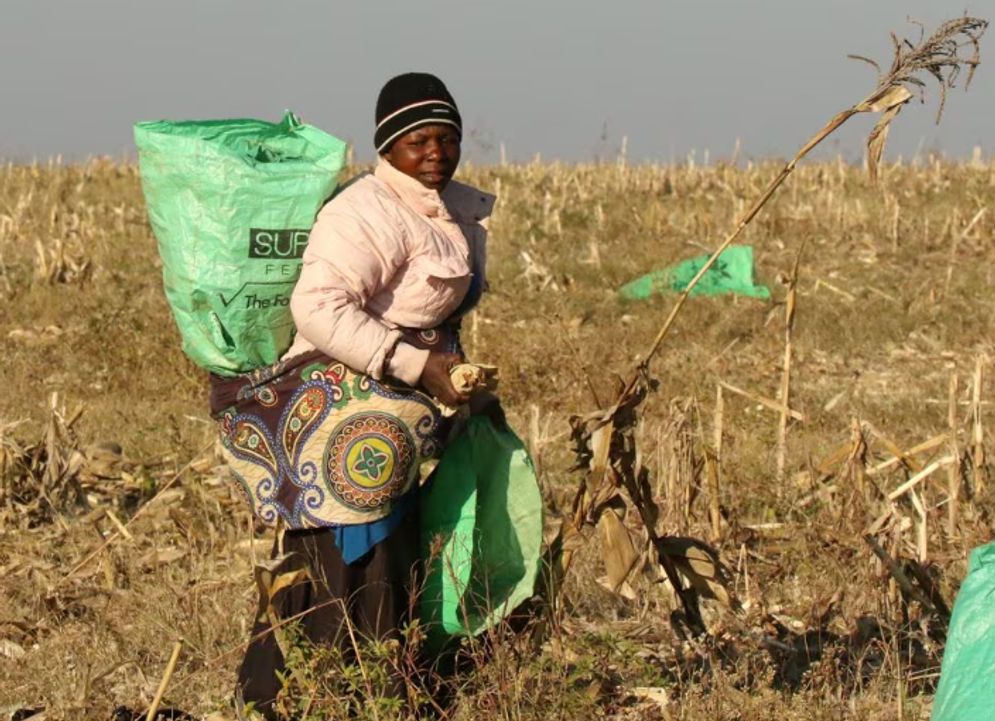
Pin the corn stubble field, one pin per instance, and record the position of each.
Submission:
(839, 577)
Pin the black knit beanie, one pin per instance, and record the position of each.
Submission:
(409, 101)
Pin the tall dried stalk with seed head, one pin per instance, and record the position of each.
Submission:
(940, 55)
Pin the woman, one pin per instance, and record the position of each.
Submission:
(329, 441)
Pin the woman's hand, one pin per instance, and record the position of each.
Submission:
(435, 378)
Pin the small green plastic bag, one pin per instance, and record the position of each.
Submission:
(731, 273)
(481, 527)
(231, 203)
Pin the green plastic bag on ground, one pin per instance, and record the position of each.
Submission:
(731, 273)
(231, 203)
(967, 678)
(481, 532)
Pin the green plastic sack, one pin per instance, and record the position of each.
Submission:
(231, 203)
(731, 273)
(481, 532)
(966, 691)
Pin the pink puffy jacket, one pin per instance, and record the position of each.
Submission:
(387, 253)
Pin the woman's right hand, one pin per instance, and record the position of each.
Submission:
(435, 379)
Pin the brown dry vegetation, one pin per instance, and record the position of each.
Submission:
(894, 302)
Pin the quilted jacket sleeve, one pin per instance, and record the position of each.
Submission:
(353, 252)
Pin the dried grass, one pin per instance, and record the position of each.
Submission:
(891, 359)
(884, 358)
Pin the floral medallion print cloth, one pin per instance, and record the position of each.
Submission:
(313, 443)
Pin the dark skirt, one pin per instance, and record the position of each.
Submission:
(373, 597)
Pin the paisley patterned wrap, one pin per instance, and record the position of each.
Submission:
(314, 443)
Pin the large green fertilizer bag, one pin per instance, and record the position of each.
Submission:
(481, 521)
(967, 677)
(231, 203)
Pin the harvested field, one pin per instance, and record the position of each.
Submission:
(843, 567)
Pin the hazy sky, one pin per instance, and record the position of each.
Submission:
(564, 79)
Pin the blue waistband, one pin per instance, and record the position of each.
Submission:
(355, 540)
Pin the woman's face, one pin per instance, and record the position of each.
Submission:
(428, 154)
